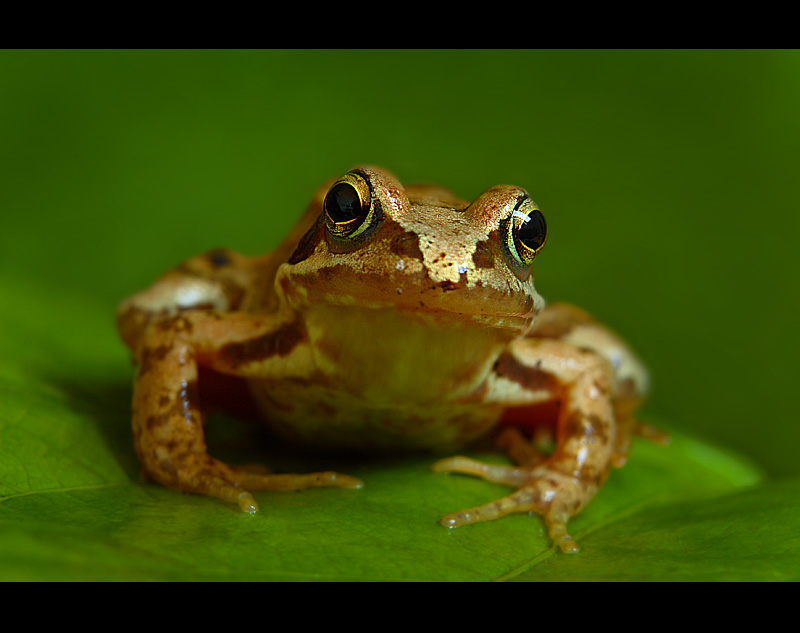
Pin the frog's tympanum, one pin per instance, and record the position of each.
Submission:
(390, 318)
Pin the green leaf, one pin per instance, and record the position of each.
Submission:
(746, 535)
(72, 505)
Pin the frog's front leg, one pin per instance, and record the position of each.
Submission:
(167, 420)
(559, 486)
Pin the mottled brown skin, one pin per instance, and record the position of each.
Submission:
(420, 330)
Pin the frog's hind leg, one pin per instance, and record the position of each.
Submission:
(570, 360)
(561, 485)
(572, 325)
(167, 416)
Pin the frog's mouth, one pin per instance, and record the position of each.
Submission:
(437, 315)
(465, 302)
(514, 322)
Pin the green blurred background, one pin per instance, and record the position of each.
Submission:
(668, 179)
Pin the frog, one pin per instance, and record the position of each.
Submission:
(391, 318)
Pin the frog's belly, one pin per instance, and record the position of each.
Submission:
(325, 418)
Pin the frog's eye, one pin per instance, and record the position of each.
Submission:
(348, 205)
(526, 232)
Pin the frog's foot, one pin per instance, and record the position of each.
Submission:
(541, 489)
(231, 484)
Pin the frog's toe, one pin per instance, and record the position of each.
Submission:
(520, 501)
(221, 488)
(234, 485)
(290, 482)
(557, 529)
(260, 477)
(497, 473)
(247, 503)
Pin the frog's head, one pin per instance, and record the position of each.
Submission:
(378, 244)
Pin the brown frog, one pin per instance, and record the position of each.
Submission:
(391, 317)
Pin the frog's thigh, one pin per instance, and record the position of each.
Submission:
(573, 326)
(565, 482)
(167, 420)
(582, 380)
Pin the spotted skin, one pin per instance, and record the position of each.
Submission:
(167, 417)
(561, 485)
(417, 327)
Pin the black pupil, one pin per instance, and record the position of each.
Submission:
(343, 204)
(533, 230)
